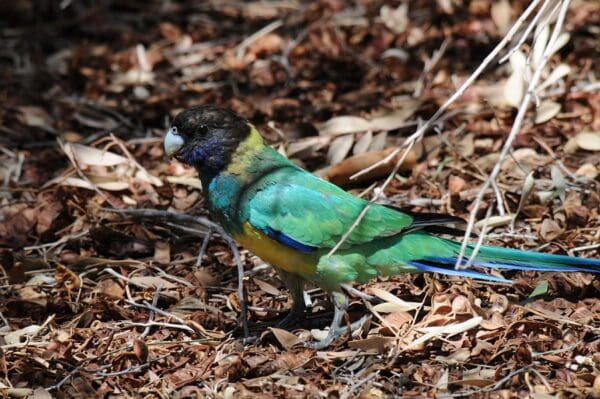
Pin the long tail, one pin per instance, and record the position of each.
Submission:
(502, 258)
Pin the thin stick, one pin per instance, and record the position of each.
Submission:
(411, 140)
(516, 127)
(484, 64)
(152, 313)
(153, 213)
(378, 194)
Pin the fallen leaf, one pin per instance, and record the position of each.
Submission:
(285, 338)
(140, 350)
(494, 221)
(18, 336)
(395, 19)
(589, 141)
(546, 111)
(539, 46)
(363, 144)
(40, 393)
(339, 148)
(341, 173)
(587, 170)
(191, 181)
(540, 289)
(392, 302)
(550, 230)
(343, 125)
(266, 287)
(85, 155)
(501, 15)
(152, 281)
(162, 252)
(514, 88)
(559, 72)
(456, 184)
(376, 344)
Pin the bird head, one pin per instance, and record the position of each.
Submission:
(206, 137)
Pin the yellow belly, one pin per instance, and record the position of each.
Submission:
(278, 255)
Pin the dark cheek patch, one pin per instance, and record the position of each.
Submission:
(209, 156)
(196, 156)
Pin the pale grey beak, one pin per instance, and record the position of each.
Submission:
(173, 142)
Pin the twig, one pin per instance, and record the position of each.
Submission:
(429, 65)
(153, 213)
(121, 277)
(526, 33)
(158, 324)
(416, 136)
(516, 127)
(488, 388)
(349, 391)
(241, 48)
(152, 313)
(375, 198)
(133, 369)
(203, 247)
(484, 64)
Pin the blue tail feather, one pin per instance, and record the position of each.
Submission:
(448, 269)
(503, 258)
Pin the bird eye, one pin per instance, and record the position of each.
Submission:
(202, 129)
(174, 129)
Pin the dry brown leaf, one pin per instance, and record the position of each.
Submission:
(285, 338)
(458, 357)
(162, 252)
(340, 173)
(395, 19)
(589, 141)
(40, 393)
(344, 125)
(550, 230)
(35, 116)
(85, 155)
(266, 287)
(140, 349)
(191, 181)
(363, 144)
(587, 170)
(392, 303)
(110, 288)
(546, 111)
(20, 335)
(152, 281)
(397, 118)
(514, 88)
(339, 148)
(495, 221)
(372, 344)
(456, 184)
(501, 15)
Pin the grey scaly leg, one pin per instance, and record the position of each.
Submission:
(297, 313)
(337, 329)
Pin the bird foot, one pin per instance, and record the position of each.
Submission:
(336, 331)
(293, 319)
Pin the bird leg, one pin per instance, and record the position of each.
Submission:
(297, 313)
(336, 330)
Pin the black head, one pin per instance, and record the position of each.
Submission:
(205, 137)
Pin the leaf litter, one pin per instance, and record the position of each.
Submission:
(95, 303)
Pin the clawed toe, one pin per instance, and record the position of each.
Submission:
(336, 332)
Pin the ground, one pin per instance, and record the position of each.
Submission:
(98, 303)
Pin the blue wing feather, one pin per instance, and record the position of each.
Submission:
(287, 240)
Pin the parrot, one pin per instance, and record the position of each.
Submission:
(292, 219)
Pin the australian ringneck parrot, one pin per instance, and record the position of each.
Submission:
(292, 219)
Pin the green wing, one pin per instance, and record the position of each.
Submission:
(296, 206)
